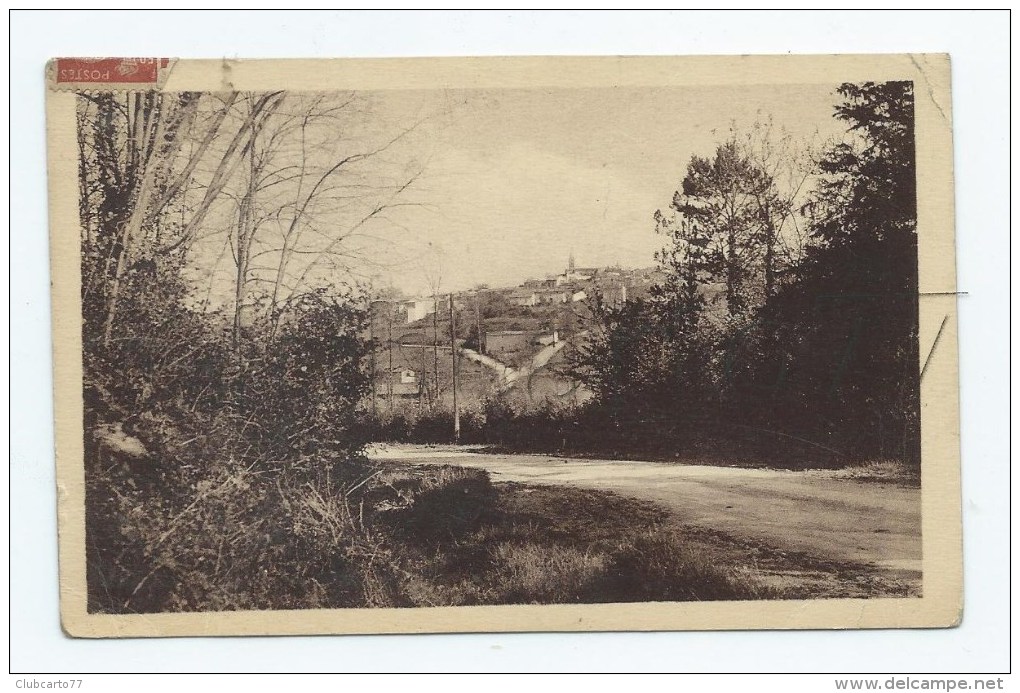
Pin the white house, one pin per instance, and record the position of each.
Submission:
(400, 383)
(418, 308)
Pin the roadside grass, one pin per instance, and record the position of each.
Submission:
(885, 471)
(555, 545)
(560, 545)
(348, 533)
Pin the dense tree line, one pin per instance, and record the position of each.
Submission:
(759, 344)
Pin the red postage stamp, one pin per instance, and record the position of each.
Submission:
(93, 71)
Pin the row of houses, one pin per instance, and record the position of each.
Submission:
(574, 284)
(543, 297)
(570, 276)
(561, 288)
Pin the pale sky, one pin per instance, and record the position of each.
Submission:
(517, 180)
(508, 183)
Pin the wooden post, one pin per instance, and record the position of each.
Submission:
(389, 351)
(371, 340)
(453, 351)
(423, 380)
(478, 323)
(435, 345)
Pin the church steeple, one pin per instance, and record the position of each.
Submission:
(570, 262)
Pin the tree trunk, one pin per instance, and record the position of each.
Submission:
(732, 301)
(241, 275)
(770, 253)
(130, 230)
(389, 356)
(227, 165)
(245, 234)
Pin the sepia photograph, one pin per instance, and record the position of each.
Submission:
(419, 347)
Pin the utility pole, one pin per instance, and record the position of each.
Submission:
(453, 350)
(435, 343)
(389, 351)
(371, 340)
(478, 323)
(423, 381)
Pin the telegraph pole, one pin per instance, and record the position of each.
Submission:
(423, 381)
(389, 352)
(371, 340)
(453, 350)
(478, 323)
(435, 344)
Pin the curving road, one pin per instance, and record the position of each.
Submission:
(813, 512)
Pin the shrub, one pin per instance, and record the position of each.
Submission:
(448, 502)
(435, 426)
(198, 454)
(659, 566)
(234, 538)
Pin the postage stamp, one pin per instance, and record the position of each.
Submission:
(504, 344)
(90, 73)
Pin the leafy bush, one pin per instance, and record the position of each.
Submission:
(201, 490)
(298, 391)
(293, 537)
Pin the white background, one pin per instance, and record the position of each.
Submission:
(979, 45)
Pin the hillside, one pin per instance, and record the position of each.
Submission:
(505, 331)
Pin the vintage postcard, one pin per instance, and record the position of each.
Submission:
(504, 344)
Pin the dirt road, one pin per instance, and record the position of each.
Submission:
(814, 512)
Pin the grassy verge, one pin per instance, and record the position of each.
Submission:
(552, 545)
(353, 535)
(546, 545)
(881, 471)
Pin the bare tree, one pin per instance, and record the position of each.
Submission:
(306, 196)
(783, 169)
(134, 169)
(276, 179)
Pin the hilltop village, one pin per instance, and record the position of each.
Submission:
(509, 339)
